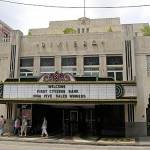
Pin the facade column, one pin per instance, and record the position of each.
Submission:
(102, 66)
(58, 63)
(36, 68)
(80, 66)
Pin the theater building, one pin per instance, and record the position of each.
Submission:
(94, 80)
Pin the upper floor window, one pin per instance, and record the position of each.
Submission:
(47, 62)
(115, 67)
(91, 61)
(68, 61)
(26, 72)
(26, 62)
(82, 30)
(78, 30)
(6, 37)
(91, 65)
(87, 30)
(114, 60)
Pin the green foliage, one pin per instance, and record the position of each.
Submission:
(146, 30)
(69, 31)
(110, 29)
(29, 33)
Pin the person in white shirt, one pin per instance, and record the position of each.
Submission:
(24, 126)
(44, 127)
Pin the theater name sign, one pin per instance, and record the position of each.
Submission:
(88, 91)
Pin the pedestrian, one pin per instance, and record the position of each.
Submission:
(17, 126)
(44, 127)
(2, 122)
(24, 126)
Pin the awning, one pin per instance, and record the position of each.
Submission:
(50, 100)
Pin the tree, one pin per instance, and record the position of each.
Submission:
(146, 30)
(69, 31)
(29, 33)
(110, 29)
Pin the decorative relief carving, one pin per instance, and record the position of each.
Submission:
(84, 43)
(84, 21)
(75, 43)
(43, 44)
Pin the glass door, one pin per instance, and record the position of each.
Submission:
(73, 122)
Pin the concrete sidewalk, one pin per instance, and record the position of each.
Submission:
(140, 141)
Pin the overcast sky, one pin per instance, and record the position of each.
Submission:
(22, 17)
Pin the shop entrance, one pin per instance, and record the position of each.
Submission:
(110, 120)
(70, 122)
(100, 120)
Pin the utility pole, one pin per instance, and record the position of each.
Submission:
(84, 8)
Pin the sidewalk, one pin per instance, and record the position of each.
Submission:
(140, 141)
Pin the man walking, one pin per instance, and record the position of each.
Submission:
(44, 127)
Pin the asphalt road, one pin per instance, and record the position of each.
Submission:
(11, 145)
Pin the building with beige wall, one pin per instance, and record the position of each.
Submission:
(92, 51)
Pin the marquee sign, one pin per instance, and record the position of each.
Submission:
(55, 77)
(69, 91)
(1, 90)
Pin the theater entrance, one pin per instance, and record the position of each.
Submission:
(70, 122)
(100, 120)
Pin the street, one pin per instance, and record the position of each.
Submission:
(12, 145)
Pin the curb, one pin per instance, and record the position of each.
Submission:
(72, 142)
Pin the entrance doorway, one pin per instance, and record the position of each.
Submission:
(100, 120)
(70, 122)
(74, 122)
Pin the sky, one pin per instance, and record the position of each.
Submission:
(23, 17)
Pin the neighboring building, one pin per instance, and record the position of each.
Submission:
(87, 105)
(5, 32)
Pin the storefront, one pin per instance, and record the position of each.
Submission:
(72, 107)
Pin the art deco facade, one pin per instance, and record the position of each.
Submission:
(93, 51)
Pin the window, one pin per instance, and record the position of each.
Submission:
(114, 60)
(26, 66)
(78, 30)
(91, 71)
(115, 67)
(91, 61)
(6, 37)
(47, 65)
(91, 65)
(87, 30)
(26, 72)
(82, 30)
(68, 65)
(115, 72)
(47, 62)
(28, 62)
(44, 70)
(70, 61)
